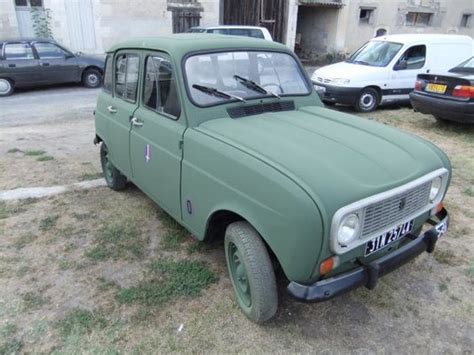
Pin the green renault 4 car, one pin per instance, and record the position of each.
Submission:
(227, 135)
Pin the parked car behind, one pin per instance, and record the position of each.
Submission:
(448, 96)
(246, 31)
(228, 136)
(36, 62)
(384, 69)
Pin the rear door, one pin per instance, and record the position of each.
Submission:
(20, 64)
(122, 106)
(156, 135)
(57, 65)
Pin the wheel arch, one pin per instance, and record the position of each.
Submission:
(101, 71)
(376, 88)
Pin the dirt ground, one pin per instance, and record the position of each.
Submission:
(102, 271)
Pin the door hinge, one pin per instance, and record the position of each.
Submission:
(181, 143)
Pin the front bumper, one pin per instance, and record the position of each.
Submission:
(367, 275)
(337, 94)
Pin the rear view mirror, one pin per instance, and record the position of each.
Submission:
(401, 65)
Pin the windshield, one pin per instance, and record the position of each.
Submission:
(375, 53)
(465, 67)
(214, 78)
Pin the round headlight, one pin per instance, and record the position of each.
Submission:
(435, 188)
(348, 229)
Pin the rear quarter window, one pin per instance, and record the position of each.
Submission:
(108, 74)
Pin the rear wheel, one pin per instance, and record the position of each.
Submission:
(251, 272)
(114, 178)
(92, 78)
(6, 87)
(368, 100)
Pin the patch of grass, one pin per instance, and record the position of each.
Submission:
(7, 210)
(123, 240)
(12, 346)
(469, 191)
(8, 330)
(34, 153)
(175, 234)
(445, 256)
(197, 247)
(65, 264)
(45, 158)
(48, 223)
(24, 240)
(470, 271)
(32, 301)
(442, 287)
(88, 176)
(170, 280)
(83, 216)
(80, 321)
(13, 150)
(106, 285)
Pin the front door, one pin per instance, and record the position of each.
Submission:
(122, 107)
(57, 65)
(411, 63)
(156, 136)
(20, 64)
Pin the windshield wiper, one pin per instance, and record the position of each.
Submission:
(360, 62)
(217, 93)
(252, 85)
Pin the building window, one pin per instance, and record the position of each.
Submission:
(466, 20)
(31, 3)
(418, 19)
(365, 15)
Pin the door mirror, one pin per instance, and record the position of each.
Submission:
(401, 65)
(69, 55)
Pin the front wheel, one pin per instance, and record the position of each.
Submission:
(6, 87)
(368, 100)
(114, 178)
(92, 78)
(251, 272)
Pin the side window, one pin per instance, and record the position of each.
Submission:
(159, 92)
(415, 57)
(126, 76)
(239, 32)
(49, 51)
(18, 51)
(256, 33)
(220, 31)
(108, 74)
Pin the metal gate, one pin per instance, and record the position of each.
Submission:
(265, 13)
(80, 24)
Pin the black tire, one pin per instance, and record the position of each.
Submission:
(368, 100)
(92, 78)
(114, 178)
(245, 249)
(6, 87)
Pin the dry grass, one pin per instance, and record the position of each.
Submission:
(103, 272)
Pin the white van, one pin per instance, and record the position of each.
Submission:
(246, 31)
(384, 69)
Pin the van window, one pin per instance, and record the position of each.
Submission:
(159, 92)
(108, 74)
(415, 57)
(17, 51)
(126, 76)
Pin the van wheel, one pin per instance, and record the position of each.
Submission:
(251, 272)
(114, 178)
(368, 100)
(6, 87)
(92, 78)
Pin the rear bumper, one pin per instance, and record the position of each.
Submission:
(337, 94)
(445, 108)
(368, 275)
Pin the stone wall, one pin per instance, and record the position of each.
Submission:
(8, 21)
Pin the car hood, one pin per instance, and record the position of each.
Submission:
(345, 70)
(335, 157)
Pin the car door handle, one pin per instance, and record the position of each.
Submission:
(136, 122)
(112, 109)
(45, 64)
(11, 65)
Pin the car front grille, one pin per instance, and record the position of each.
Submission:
(386, 213)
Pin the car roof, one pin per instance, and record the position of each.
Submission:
(184, 43)
(429, 37)
(28, 39)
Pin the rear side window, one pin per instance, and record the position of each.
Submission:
(126, 76)
(18, 51)
(159, 92)
(108, 74)
(255, 33)
(49, 51)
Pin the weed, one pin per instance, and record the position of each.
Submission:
(442, 287)
(119, 240)
(80, 321)
(105, 285)
(8, 330)
(48, 223)
(24, 240)
(13, 150)
(175, 234)
(172, 241)
(32, 301)
(470, 271)
(11, 347)
(34, 153)
(170, 280)
(469, 191)
(45, 158)
(88, 176)
(65, 264)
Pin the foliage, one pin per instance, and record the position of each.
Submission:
(41, 19)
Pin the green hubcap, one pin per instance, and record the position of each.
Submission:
(239, 275)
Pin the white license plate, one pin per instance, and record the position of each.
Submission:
(320, 89)
(388, 238)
